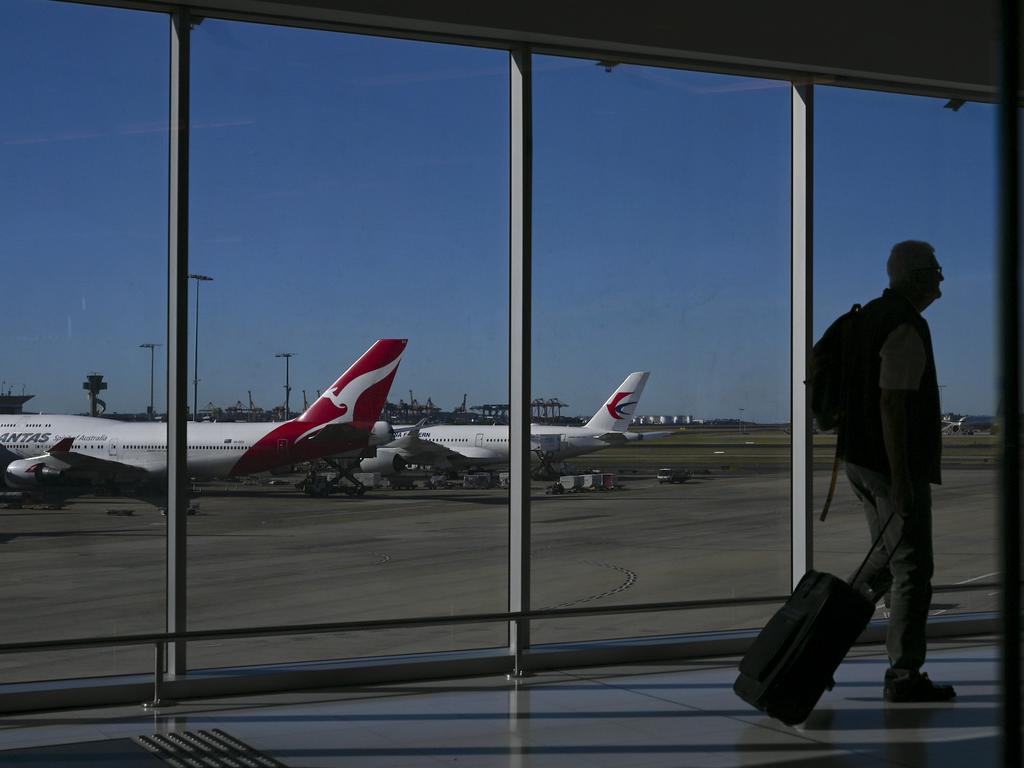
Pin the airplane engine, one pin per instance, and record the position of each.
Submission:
(382, 434)
(386, 462)
(31, 473)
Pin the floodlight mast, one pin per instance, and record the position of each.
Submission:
(287, 383)
(151, 346)
(195, 366)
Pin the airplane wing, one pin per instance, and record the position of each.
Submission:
(64, 451)
(472, 452)
(415, 450)
(338, 432)
(621, 438)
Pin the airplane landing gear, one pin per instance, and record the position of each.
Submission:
(318, 483)
(546, 470)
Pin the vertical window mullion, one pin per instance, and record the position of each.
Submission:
(801, 312)
(1009, 377)
(521, 141)
(177, 337)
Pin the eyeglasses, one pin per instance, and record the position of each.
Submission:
(930, 269)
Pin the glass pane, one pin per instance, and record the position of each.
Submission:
(83, 212)
(344, 189)
(891, 168)
(661, 246)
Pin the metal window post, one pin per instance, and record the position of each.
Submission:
(801, 331)
(520, 194)
(1009, 370)
(177, 338)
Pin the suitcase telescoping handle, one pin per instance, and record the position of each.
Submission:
(867, 557)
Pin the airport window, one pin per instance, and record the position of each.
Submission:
(661, 245)
(325, 162)
(664, 190)
(911, 168)
(84, 146)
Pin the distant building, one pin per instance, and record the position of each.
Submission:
(13, 403)
(675, 420)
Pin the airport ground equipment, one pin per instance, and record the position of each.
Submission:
(13, 499)
(588, 481)
(438, 481)
(670, 475)
(369, 479)
(476, 480)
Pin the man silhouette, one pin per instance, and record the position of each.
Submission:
(892, 447)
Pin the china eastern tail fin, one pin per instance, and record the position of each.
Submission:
(359, 395)
(617, 412)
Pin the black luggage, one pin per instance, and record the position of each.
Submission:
(791, 663)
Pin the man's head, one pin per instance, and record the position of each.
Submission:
(914, 272)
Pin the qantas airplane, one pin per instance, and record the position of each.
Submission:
(54, 451)
(451, 447)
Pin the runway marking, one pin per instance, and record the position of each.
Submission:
(570, 519)
(629, 582)
(978, 578)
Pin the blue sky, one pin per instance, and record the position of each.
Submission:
(346, 188)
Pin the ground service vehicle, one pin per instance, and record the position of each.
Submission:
(670, 475)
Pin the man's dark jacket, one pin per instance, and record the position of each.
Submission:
(860, 435)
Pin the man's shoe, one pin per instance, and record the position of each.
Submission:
(916, 688)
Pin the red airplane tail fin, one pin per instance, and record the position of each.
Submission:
(359, 395)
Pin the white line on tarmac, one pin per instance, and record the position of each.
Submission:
(978, 578)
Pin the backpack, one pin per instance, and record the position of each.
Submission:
(827, 373)
(828, 379)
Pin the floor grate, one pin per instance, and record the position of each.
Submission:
(206, 749)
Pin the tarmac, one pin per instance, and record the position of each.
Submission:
(267, 555)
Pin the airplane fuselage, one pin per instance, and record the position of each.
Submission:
(138, 450)
(481, 445)
(47, 450)
(454, 446)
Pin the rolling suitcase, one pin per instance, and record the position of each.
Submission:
(791, 663)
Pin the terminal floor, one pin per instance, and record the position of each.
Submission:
(659, 714)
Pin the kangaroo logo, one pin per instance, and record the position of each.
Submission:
(351, 390)
(342, 407)
(617, 408)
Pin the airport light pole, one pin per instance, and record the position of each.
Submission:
(741, 421)
(287, 384)
(151, 347)
(195, 365)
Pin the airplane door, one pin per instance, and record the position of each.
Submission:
(479, 439)
(282, 447)
(112, 449)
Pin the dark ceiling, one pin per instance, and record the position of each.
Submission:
(944, 48)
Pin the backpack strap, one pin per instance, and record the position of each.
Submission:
(831, 485)
(876, 543)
